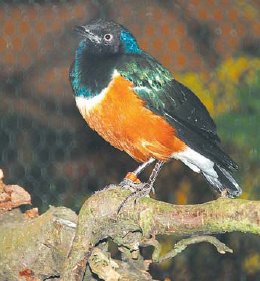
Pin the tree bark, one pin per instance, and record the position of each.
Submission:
(60, 245)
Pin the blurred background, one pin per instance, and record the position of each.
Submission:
(46, 147)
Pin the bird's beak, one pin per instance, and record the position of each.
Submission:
(85, 32)
(79, 29)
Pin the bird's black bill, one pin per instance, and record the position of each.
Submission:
(84, 31)
(79, 29)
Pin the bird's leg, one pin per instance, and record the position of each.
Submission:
(154, 175)
(131, 180)
(145, 188)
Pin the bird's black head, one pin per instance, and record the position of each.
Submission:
(102, 37)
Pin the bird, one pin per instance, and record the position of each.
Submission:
(136, 104)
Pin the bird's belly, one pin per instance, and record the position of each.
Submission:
(122, 119)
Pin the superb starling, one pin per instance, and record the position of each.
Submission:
(137, 105)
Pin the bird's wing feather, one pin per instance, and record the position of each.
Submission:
(176, 103)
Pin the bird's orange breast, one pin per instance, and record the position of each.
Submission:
(122, 119)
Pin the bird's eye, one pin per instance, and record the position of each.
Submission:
(108, 37)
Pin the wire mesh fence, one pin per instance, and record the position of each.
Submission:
(45, 145)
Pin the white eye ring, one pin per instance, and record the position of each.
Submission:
(108, 37)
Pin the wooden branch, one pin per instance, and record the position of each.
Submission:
(184, 243)
(35, 247)
(98, 220)
(51, 246)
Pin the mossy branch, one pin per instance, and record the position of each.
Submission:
(50, 246)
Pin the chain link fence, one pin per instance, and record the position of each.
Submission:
(46, 147)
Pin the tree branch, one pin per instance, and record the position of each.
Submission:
(50, 245)
(98, 220)
(184, 243)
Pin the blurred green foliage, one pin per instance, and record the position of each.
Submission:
(241, 126)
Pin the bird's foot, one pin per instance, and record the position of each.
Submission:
(140, 190)
(131, 182)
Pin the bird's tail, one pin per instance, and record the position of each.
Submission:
(223, 181)
(215, 171)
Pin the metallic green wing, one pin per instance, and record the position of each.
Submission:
(169, 98)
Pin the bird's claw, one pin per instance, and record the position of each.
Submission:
(140, 190)
(130, 185)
